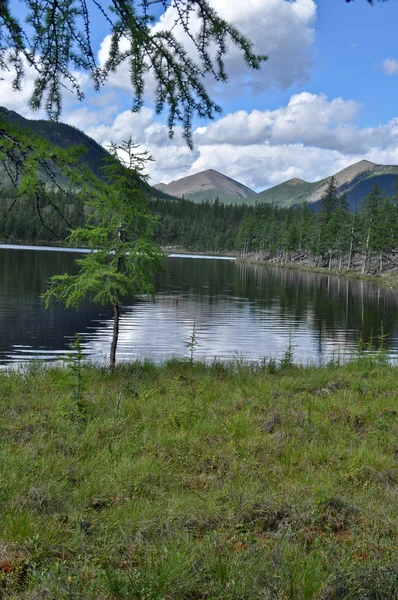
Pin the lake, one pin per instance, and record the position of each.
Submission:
(236, 311)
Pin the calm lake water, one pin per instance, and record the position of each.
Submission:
(237, 311)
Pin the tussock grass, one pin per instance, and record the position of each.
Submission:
(187, 481)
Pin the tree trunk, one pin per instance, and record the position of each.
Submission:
(330, 259)
(365, 258)
(367, 243)
(341, 260)
(318, 249)
(381, 261)
(351, 242)
(115, 335)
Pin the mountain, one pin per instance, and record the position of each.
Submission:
(63, 135)
(207, 185)
(356, 180)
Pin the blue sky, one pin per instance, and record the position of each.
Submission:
(327, 97)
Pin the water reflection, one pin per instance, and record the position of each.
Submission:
(236, 309)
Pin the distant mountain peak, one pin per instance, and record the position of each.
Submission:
(206, 185)
(295, 181)
(356, 181)
(365, 164)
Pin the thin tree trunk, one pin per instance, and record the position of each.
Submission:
(330, 259)
(115, 335)
(381, 261)
(351, 242)
(317, 250)
(367, 244)
(341, 259)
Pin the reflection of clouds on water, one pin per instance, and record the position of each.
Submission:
(238, 310)
(223, 330)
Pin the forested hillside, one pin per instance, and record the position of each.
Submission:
(333, 232)
(61, 135)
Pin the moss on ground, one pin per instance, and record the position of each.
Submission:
(185, 481)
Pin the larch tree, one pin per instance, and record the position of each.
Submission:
(56, 43)
(122, 257)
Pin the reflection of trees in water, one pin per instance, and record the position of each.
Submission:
(223, 298)
(23, 319)
(326, 303)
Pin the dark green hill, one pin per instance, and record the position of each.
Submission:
(286, 194)
(61, 135)
(65, 136)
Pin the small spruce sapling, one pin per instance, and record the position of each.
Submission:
(192, 344)
(122, 257)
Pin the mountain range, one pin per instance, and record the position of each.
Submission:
(356, 180)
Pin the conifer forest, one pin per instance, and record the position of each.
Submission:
(326, 232)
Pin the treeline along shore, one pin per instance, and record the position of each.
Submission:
(326, 235)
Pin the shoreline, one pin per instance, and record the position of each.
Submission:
(167, 250)
(388, 279)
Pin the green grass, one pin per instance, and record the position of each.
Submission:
(186, 481)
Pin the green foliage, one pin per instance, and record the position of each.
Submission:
(287, 360)
(192, 344)
(122, 258)
(74, 362)
(57, 44)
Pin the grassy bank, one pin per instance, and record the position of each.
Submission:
(186, 482)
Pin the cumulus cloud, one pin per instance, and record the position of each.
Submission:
(390, 66)
(309, 119)
(308, 138)
(281, 29)
(18, 100)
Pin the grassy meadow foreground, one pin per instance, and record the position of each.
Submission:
(187, 481)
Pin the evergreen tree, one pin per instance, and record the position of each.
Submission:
(122, 258)
(370, 211)
(328, 225)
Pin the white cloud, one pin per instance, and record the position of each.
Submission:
(311, 137)
(309, 119)
(390, 66)
(281, 29)
(18, 100)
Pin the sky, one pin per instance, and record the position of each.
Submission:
(326, 98)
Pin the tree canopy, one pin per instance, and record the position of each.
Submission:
(56, 42)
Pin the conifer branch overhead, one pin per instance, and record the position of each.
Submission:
(57, 43)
